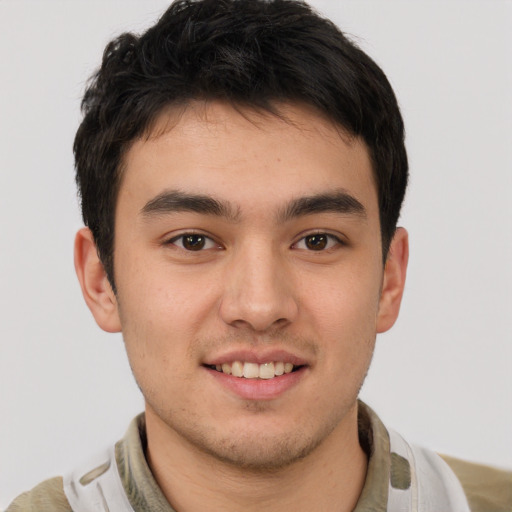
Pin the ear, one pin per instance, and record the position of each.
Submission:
(96, 289)
(393, 281)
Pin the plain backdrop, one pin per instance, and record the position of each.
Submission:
(441, 376)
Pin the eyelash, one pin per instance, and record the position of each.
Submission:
(207, 241)
(330, 240)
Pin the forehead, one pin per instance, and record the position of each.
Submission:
(244, 156)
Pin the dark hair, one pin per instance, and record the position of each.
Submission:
(253, 53)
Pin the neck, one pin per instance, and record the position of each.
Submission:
(329, 479)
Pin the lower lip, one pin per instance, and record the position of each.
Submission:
(258, 389)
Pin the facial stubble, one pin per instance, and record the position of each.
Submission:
(255, 451)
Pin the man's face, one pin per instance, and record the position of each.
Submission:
(246, 244)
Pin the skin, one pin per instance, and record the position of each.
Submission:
(259, 285)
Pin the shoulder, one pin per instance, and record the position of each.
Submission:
(486, 488)
(45, 497)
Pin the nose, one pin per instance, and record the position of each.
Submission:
(258, 291)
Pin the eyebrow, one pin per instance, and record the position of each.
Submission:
(340, 202)
(172, 201)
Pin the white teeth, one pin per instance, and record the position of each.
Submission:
(255, 370)
(237, 369)
(251, 370)
(266, 371)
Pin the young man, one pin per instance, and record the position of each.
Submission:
(242, 167)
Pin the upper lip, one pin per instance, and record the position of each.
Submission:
(256, 356)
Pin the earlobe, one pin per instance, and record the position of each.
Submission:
(394, 281)
(96, 289)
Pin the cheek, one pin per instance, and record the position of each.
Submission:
(161, 316)
(348, 301)
(345, 320)
(156, 350)
(160, 296)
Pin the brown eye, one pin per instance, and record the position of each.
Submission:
(316, 242)
(193, 242)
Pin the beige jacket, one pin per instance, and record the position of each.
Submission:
(487, 489)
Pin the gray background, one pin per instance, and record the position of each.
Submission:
(442, 376)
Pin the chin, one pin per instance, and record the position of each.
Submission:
(261, 446)
(265, 453)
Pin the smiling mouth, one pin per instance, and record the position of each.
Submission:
(254, 370)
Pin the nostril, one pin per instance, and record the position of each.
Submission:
(265, 306)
